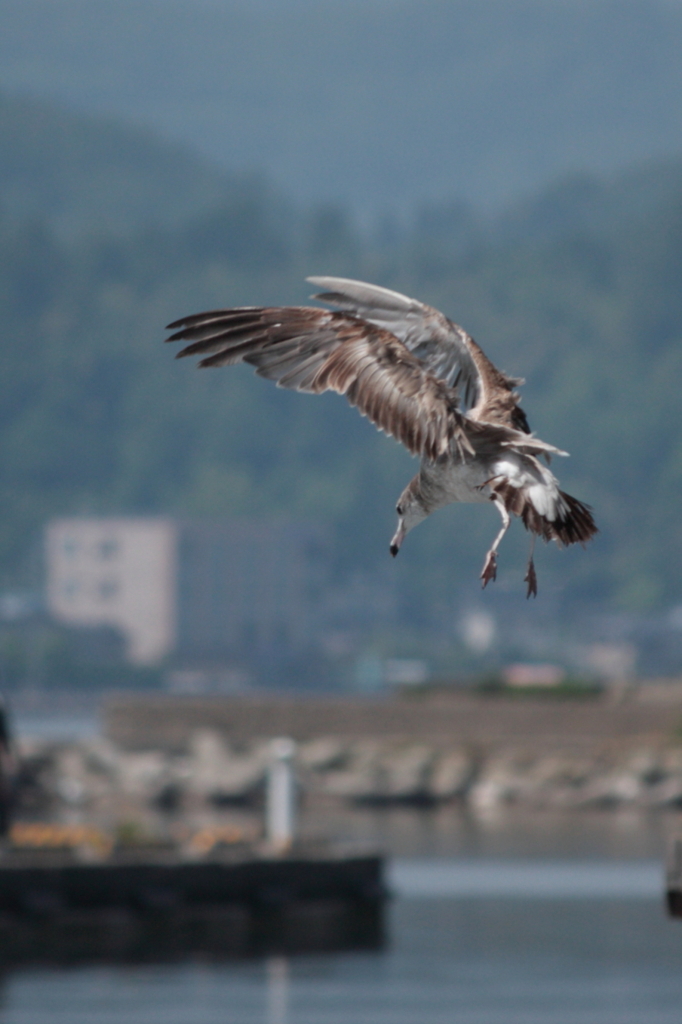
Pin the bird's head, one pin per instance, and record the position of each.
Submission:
(410, 513)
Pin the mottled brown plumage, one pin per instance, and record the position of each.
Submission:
(420, 378)
(314, 350)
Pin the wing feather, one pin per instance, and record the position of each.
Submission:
(316, 350)
(443, 348)
(440, 345)
(205, 319)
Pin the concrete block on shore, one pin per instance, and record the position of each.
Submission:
(452, 776)
(212, 771)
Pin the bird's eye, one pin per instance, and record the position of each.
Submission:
(399, 509)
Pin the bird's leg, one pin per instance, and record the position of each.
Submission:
(530, 578)
(490, 565)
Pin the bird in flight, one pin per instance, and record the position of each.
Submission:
(418, 377)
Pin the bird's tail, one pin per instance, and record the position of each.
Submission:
(575, 523)
(555, 516)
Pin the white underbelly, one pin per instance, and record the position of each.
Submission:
(465, 483)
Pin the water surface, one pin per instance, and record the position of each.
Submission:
(493, 942)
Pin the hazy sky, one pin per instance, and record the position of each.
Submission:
(381, 103)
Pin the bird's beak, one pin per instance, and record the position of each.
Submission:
(398, 538)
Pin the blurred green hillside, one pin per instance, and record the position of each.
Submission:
(578, 291)
(88, 173)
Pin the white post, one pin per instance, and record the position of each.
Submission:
(280, 803)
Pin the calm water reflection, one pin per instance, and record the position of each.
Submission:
(501, 833)
(452, 961)
(540, 921)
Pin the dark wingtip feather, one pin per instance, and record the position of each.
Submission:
(184, 322)
(520, 420)
(578, 526)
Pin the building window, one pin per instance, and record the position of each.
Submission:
(107, 548)
(107, 589)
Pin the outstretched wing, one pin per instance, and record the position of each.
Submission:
(315, 350)
(439, 345)
(443, 348)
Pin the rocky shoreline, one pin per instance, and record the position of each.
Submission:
(211, 772)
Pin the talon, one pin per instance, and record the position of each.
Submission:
(489, 569)
(531, 579)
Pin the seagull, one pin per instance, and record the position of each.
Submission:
(421, 379)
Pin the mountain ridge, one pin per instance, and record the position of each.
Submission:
(487, 101)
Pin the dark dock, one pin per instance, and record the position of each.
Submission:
(155, 906)
(75, 894)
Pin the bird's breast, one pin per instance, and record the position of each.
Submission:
(462, 481)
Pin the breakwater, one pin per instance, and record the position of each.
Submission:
(163, 722)
(185, 754)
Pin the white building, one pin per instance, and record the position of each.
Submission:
(225, 592)
(116, 572)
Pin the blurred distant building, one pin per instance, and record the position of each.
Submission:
(533, 675)
(116, 572)
(246, 589)
(613, 662)
(203, 592)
